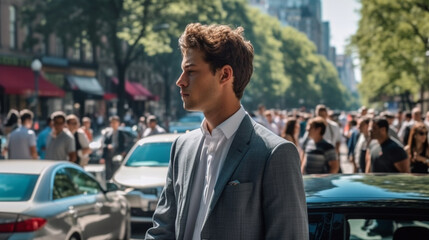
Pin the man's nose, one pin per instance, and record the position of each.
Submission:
(181, 81)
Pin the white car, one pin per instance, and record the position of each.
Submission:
(143, 173)
(41, 199)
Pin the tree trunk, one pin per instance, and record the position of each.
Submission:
(121, 90)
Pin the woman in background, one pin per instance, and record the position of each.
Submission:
(418, 148)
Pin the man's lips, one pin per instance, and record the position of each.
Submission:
(184, 94)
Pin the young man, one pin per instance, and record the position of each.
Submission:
(388, 156)
(233, 178)
(60, 143)
(320, 156)
(21, 143)
(152, 127)
(80, 139)
(114, 143)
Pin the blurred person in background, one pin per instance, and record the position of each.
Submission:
(416, 116)
(361, 145)
(80, 140)
(43, 137)
(319, 154)
(271, 125)
(60, 143)
(21, 143)
(392, 130)
(418, 148)
(399, 118)
(387, 156)
(114, 144)
(11, 123)
(86, 127)
(291, 131)
(333, 133)
(141, 127)
(152, 127)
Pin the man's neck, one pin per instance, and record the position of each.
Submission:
(216, 117)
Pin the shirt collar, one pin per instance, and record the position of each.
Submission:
(227, 127)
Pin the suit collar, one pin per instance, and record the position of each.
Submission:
(237, 151)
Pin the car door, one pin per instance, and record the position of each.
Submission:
(106, 217)
(73, 207)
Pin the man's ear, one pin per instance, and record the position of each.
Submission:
(226, 73)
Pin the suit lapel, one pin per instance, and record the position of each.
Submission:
(237, 151)
(190, 165)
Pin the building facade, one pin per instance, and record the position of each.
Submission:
(78, 79)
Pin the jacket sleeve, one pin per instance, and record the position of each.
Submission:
(284, 204)
(165, 214)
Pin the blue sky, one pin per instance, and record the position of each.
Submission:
(343, 17)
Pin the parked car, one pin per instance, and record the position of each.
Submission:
(58, 200)
(372, 206)
(189, 122)
(143, 173)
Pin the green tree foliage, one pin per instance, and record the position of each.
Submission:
(287, 69)
(392, 40)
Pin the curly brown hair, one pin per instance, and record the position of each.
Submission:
(221, 46)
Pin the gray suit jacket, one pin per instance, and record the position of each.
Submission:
(269, 202)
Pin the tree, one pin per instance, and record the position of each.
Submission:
(131, 27)
(392, 39)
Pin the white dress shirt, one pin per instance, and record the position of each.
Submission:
(213, 154)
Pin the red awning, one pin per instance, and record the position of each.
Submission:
(20, 81)
(136, 90)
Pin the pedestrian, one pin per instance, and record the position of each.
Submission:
(152, 127)
(114, 144)
(80, 139)
(319, 154)
(416, 116)
(141, 126)
(60, 143)
(418, 148)
(361, 145)
(43, 137)
(12, 123)
(232, 178)
(291, 130)
(86, 127)
(388, 156)
(271, 125)
(21, 143)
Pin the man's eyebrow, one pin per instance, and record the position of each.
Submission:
(187, 65)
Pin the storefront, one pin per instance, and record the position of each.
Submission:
(18, 84)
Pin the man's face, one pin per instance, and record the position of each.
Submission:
(363, 127)
(59, 124)
(114, 124)
(72, 125)
(199, 88)
(375, 131)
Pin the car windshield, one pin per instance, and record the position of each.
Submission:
(150, 154)
(16, 187)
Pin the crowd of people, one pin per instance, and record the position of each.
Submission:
(376, 142)
(65, 138)
(383, 142)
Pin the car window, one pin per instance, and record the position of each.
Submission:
(63, 186)
(384, 228)
(150, 154)
(16, 187)
(84, 183)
